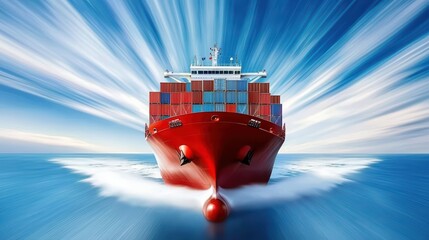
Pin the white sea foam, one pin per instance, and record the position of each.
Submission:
(133, 182)
(136, 183)
(308, 178)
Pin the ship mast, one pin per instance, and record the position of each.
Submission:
(214, 56)
(204, 72)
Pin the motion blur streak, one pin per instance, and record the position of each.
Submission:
(353, 75)
(11, 134)
(133, 182)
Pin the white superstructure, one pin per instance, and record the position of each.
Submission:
(232, 71)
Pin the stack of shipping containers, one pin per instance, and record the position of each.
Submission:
(276, 110)
(197, 96)
(218, 95)
(208, 96)
(236, 96)
(260, 100)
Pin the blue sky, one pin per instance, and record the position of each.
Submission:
(75, 75)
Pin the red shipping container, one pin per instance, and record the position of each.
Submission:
(267, 118)
(165, 109)
(186, 97)
(173, 87)
(197, 97)
(154, 97)
(265, 109)
(253, 87)
(185, 109)
(178, 87)
(175, 109)
(197, 86)
(175, 98)
(275, 98)
(231, 108)
(165, 87)
(154, 118)
(264, 87)
(265, 98)
(254, 109)
(208, 85)
(154, 109)
(254, 98)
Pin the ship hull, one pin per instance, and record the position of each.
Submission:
(222, 149)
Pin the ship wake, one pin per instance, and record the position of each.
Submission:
(139, 183)
(133, 182)
(297, 179)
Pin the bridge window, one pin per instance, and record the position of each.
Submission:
(217, 72)
(237, 72)
(200, 72)
(231, 72)
(194, 72)
(205, 72)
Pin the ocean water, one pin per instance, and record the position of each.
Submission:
(105, 196)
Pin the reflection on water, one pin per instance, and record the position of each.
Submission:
(122, 196)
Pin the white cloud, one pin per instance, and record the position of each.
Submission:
(43, 142)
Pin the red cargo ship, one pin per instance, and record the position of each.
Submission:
(220, 129)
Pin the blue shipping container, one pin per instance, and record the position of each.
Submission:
(231, 97)
(242, 108)
(231, 85)
(197, 108)
(208, 97)
(208, 107)
(242, 97)
(219, 84)
(242, 85)
(220, 107)
(188, 87)
(219, 97)
(277, 120)
(165, 98)
(276, 109)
